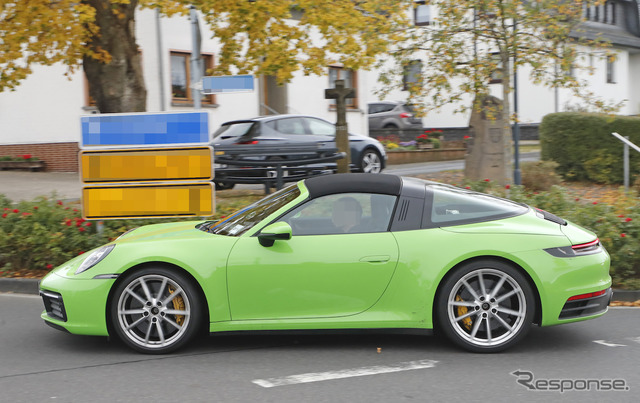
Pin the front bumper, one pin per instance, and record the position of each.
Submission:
(78, 306)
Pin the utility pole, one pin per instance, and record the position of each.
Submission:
(340, 94)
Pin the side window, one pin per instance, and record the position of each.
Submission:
(320, 127)
(290, 126)
(342, 213)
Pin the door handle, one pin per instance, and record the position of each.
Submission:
(376, 259)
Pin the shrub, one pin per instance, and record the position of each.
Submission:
(540, 175)
(583, 147)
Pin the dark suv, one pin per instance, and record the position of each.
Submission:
(392, 115)
(367, 154)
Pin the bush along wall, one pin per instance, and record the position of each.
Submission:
(585, 150)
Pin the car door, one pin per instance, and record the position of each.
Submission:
(322, 271)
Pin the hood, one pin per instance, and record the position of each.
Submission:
(181, 230)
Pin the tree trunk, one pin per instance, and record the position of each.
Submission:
(116, 86)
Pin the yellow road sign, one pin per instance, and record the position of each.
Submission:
(147, 200)
(146, 165)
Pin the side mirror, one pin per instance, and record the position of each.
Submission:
(276, 231)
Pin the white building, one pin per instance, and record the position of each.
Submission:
(613, 81)
(42, 116)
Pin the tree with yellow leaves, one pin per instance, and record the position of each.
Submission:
(470, 44)
(272, 37)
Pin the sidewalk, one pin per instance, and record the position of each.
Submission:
(23, 185)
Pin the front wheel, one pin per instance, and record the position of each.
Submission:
(485, 306)
(155, 310)
(370, 162)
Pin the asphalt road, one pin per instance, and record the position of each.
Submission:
(38, 364)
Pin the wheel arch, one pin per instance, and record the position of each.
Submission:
(537, 318)
(167, 265)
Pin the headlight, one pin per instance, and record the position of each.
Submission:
(95, 257)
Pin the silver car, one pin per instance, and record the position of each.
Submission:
(392, 115)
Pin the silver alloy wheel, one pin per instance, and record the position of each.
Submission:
(487, 307)
(153, 311)
(371, 162)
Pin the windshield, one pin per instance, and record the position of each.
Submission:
(243, 220)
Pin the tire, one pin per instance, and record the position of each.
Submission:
(370, 162)
(485, 306)
(156, 310)
(224, 186)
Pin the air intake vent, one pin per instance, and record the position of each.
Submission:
(404, 209)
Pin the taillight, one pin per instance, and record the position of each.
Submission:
(582, 249)
(585, 247)
(587, 295)
(248, 142)
(405, 115)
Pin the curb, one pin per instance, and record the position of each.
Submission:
(20, 285)
(30, 286)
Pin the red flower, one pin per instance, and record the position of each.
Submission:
(75, 210)
(16, 211)
(595, 202)
(66, 208)
(467, 187)
(26, 214)
(623, 235)
(628, 219)
(7, 209)
(577, 199)
(80, 253)
(26, 156)
(87, 224)
(81, 229)
(68, 223)
(4, 215)
(35, 207)
(508, 187)
(59, 202)
(487, 180)
(467, 137)
(621, 216)
(49, 266)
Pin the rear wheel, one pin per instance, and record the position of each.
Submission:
(370, 162)
(156, 310)
(485, 306)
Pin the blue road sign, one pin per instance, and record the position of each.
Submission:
(222, 84)
(145, 129)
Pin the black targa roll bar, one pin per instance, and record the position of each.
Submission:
(273, 164)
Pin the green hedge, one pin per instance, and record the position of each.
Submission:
(585, 150)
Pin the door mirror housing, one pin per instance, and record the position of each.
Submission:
(274, 232)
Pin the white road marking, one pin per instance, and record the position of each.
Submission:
(604, 343)
(636, 339)
(344, 373)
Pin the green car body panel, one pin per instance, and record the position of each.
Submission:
(343, 281)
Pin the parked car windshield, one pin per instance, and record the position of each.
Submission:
(234, 129)
(243, 220)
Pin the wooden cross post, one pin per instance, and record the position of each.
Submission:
(340, 93)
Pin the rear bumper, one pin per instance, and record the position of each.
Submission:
(587, 307)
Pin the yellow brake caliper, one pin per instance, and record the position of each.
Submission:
(178, 305)
(462, 310)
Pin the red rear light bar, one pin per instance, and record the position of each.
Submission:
(587, 295)
(586, 245)
(248, 142)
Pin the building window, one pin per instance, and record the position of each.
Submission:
(611, 69)
(496, 75)
(350, 81)
(181, 77)
(412, 74)
(421, 14)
